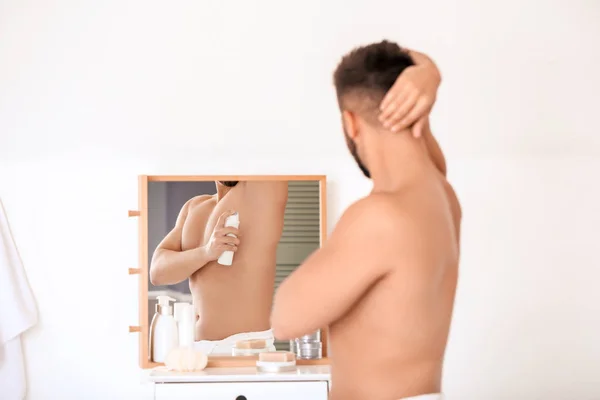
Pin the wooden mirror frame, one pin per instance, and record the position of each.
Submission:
(142, 271)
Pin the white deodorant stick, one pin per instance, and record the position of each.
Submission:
(232, 221)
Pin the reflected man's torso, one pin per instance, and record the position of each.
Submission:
(237, 298)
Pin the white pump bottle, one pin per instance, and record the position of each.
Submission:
(163, 330)
(185, 317)
(232, 221)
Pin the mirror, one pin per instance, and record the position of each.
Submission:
(229, 282)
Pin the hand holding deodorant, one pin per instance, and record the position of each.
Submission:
(232, 221)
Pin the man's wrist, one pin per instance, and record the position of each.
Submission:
(425, 62)
(201, 254)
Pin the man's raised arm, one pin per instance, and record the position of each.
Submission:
(333, 278)
(409, 101)
(171, 265)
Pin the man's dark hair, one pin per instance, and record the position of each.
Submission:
(228, 183)
(364, 76)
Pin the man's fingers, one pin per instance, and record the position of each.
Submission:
(398, 90)
(223, 218)
(229, 229)
(401, 111)
(389, 108)
(226, 247)
(229, 241)
(398, 97)
(387, 99)
(417, 111)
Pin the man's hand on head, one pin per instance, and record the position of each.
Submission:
(409, 101)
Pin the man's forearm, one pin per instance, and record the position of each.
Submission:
(170, 267)
(433, 147)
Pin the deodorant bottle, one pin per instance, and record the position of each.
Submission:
(232, 221)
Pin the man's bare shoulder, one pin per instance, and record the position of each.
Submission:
(381, 213)
(200, 200)
(372, 231)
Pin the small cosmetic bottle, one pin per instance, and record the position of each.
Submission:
(186, 321)
(232, 221)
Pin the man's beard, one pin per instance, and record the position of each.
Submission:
(228, 183)
(354, 152)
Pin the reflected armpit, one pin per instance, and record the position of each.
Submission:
(270, 191)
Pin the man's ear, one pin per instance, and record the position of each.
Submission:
(350, 124)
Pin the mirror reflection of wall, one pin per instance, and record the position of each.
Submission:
(296, 238)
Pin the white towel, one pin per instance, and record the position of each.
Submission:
(225, 346)
(18, 313)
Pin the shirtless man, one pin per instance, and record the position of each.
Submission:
(228, 299)
(385, 280)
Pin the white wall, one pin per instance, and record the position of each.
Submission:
(94, 93)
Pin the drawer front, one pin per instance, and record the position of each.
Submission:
(242, 391)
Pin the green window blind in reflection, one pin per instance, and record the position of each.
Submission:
(301, 232)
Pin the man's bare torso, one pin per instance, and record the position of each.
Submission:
(236, 298)
(391, 344)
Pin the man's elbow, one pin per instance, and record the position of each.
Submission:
(155, 277)
(157, 272)
(282, 328)
(282, 321)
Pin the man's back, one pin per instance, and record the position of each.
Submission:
(391, 343)
(236, 298)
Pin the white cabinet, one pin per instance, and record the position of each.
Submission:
(307, 383)
(242, 391)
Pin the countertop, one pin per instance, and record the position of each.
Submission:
(241, 374)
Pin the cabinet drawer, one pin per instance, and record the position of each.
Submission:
(242, 391)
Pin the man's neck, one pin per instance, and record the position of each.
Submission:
(434, 150)
(396, 160)
(222, 190)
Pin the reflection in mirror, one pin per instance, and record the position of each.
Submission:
(229, 280)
